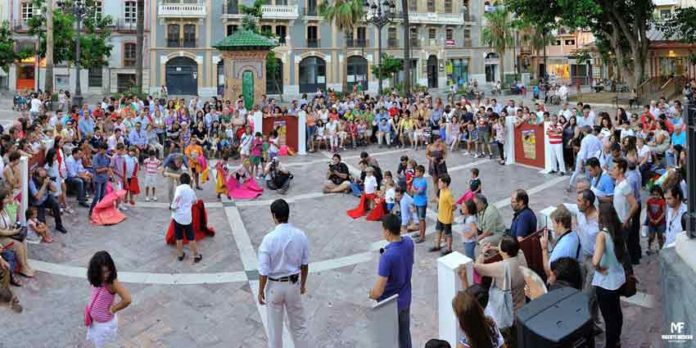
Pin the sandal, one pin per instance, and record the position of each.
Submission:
(198, 258)
(181, 257)
(15, 282)
(25, 275)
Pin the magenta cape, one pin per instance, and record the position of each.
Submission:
(248, 190)
(105, 212)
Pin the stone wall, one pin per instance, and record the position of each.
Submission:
(236, 63)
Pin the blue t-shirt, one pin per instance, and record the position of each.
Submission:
(396, 264)
(524, 223)
(567, 246)
(605, 184)
(33, 189)
(100, 161)
(420, 198)
(679, 139)
(405, 207)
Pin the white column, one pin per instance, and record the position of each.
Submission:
(302, 134)
(510, 140)
(448, 284)
(24, 170)
(548, 156)
(258, 122)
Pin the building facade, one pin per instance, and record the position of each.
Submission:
(445, 46)
(119, 73)
(563, 64)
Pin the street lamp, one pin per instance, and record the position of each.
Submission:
(79, 9)
(379, 14)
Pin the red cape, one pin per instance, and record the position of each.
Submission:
(375, 214)
(200, 224)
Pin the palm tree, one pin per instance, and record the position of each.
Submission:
(537, 38)
(345, 14)
(498, 34)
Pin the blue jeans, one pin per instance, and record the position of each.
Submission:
(405, 328)
(469, 249)
(99, 193)
(578, 169)
(79, 186)
(670, 158)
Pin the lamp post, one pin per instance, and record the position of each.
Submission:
(79, 10)
(379, 14)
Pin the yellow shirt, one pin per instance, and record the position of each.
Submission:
(445, 207)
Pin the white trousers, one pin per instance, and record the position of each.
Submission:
(282, 297)
(557, 157)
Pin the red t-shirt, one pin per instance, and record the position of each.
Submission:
(656, 207)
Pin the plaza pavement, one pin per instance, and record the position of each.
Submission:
(213, 304)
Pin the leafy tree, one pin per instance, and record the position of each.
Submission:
(8, 53)
(535, 36)
(94, 37)
(681, 25)
(498, 34)
(390, 67)
(345, 15)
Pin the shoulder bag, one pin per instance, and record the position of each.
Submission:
(88, 309)
(500, 303)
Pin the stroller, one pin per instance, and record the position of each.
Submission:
(19, 103)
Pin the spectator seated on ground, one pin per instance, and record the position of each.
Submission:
(338, 176)
(278, 177)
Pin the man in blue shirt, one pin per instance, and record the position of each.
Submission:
(78, 177)
(420, 199)
(678, 143)
(40, 193)
(101, 164)
(567, 240)
(602, 183)
(394, 274)
(524, 222)
(138, 137)
(86, 125)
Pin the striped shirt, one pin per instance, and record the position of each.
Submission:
(151, 165)
(101, 299)
(555, 134)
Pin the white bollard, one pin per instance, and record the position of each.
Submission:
(24, 170)
(258, 123)
(448, 284)
(510, 140)
(302, 134)
(548, 156)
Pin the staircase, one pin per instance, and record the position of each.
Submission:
(660, 86)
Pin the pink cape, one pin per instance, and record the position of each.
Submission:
(105, 212)
(468, 195)
(249, 190)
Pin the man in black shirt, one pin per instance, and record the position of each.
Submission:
(338, 176)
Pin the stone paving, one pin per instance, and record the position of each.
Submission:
(210, 314)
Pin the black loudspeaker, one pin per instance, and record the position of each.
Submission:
(560, 318)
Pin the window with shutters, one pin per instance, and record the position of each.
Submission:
(130, 12)
(129, 53)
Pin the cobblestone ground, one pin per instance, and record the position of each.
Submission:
(213, 304)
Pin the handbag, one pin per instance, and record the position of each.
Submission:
(629, 288)
(500, 304)
(88, 309)
(21, 235)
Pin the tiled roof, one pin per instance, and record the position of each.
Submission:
(244, 40)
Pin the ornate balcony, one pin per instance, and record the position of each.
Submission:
(280, 11)
(170, 9)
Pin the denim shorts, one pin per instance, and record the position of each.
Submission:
(421, 212)
(444, 228)
(656, 229)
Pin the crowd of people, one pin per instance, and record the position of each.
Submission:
(87, 151)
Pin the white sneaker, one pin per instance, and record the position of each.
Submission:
(154, 198)
(147, 199)
(122, 207)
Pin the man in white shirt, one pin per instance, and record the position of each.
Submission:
(184, 198)
(589, 115)
(563, 93)
(589, 145)
(676, 209)
(35, 106)
(283, 270)
(78, 176)
(565, 112)
(625, 203)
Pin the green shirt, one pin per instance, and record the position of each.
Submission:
(490, 220)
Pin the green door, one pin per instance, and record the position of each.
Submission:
(248, 89)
